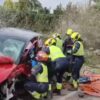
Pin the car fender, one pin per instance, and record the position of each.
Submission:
(5, 71)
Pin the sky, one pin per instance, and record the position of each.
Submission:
(51, 4)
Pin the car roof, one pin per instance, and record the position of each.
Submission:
(20, 34)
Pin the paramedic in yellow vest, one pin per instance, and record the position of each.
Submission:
(59, 63)
(78, 57)
(58, 39)
(40, 73)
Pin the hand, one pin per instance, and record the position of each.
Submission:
(29, 75)
(32, 70)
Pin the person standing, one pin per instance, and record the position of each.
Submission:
(68, 43)
(59, 63)
(78, 58)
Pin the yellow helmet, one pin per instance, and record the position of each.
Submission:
(79, 36)
(69, 31)
(47, 42)
(53, 41)
(55, 35)
(75, 36)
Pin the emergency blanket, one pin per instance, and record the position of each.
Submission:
(92, 86)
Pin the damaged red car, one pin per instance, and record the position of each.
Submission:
(15, 45)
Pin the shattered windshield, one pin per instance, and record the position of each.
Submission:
(11, 47)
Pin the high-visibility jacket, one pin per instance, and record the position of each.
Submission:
(80, 51)
(43, 77)
(59, 43)
(59, 86)
(55, 52)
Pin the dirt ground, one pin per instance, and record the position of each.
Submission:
(66, 95)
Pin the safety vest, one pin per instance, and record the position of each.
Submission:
(55, 52)
(43, 77)
(59, 43)
(80, 52)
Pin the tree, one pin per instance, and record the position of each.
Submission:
(58, 10)
(30, 14)
(97, 6)
(8, 4)
(97, 0)
(35, 4)
(23, 5)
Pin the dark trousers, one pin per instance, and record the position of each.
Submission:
(77, 64)
(38, 87)
(60, 66)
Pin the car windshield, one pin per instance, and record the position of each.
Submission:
(11, 47)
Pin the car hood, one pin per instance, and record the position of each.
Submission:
(6, 60)
(6, 67)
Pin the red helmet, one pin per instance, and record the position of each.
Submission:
(42, 56)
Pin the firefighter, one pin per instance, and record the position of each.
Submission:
(78, 58)
(68, 43)
(40, 74)
(58, 39)
(59, 63)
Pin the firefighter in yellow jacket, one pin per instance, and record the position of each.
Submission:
(78, 57)
(40, 84)
(59, 63)
(68, 43)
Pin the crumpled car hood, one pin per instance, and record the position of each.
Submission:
(6, 68)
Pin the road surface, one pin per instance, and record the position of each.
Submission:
(74, 96)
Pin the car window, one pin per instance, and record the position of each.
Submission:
(12, 48)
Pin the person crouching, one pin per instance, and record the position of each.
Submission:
(40, 72)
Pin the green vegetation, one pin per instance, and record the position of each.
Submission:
(29, 14)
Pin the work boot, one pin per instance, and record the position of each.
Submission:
(44, 95)
(57, 92)
(74, 86)
(59, 87)
(72, 89)
(36, 95)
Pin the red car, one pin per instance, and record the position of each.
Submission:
(15, 45)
